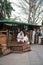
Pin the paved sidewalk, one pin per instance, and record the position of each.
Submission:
(34, 57)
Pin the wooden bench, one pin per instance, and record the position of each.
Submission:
(18, 46)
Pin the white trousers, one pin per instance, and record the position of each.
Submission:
(33, 38)
(39, 42)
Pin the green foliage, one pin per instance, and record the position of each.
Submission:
(8, 8)
(42, 22)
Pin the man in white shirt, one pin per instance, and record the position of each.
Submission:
(20, 36)
(26, 39)
(33, 36)
(40, 36)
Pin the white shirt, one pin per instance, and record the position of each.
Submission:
(20, 37)
(33, 33)
(25, 38)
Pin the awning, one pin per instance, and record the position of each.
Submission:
(10, 22)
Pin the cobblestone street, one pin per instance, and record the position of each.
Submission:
(34, 57)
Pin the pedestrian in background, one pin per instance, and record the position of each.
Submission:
(39, 35)
(33, 36)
